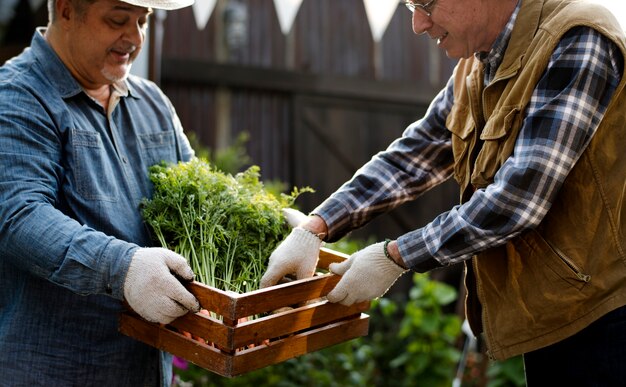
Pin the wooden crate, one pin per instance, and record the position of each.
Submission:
(235, 346)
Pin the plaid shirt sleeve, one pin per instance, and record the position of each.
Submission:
(564, 112)
(412, 164)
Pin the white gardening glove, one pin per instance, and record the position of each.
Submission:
(366, 275)
(151, 288)
(298, 254)
(294, 217)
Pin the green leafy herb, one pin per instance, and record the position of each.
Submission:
(225, 225)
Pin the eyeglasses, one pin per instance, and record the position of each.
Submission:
(426, 8)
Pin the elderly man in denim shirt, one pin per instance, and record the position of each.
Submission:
(77, 135)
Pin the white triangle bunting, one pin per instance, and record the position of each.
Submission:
(286, 11)
(202, 10)
(379, 14)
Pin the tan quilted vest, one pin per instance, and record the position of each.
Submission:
(550, 282)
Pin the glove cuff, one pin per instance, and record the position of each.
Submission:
(307, 237)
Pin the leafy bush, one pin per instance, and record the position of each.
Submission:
(507, 373)
(422, 346)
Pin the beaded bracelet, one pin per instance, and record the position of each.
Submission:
(387, 241)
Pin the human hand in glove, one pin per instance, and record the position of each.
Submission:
(298, 254)
(366, 275)
(294, 217)
(152, 289)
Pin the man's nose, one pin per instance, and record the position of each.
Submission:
(135, 33)
(421, 23)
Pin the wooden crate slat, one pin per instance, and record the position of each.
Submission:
(172, 342)
(297, 345)
(213, 299)
(287, 294)
(328, 256)
(293, 321)
(206, 327)
(263, 300)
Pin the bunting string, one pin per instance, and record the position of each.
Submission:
(379, 13)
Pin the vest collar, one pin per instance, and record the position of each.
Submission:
(525, 27)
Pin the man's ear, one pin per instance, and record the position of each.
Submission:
(65, 11)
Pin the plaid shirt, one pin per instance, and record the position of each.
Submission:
(564, 112)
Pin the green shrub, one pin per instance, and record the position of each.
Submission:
(507, 373)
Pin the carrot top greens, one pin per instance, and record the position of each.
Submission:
(225, 225)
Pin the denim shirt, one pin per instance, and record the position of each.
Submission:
(71, 183)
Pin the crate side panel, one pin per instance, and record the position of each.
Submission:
(300, 344)
(166, 340)
(232, 306)
(288, 294)
(300, 319)
(328, 256)
(210, 329)
(212, 299)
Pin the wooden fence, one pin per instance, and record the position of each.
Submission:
(317, 103)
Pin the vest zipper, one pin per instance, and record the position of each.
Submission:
(581, 276)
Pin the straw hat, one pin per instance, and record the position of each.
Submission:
(160, 4)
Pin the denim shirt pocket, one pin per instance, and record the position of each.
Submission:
(158, 146)
(94, 175)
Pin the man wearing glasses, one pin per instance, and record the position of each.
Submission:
(532, 126)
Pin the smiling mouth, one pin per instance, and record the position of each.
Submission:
(120, 56)
(123, 53)
(441, 38)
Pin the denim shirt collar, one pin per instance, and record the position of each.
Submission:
(58, 73)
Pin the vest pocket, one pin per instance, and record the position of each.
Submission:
(573, 266)
(461, 125)
(498, 138)
(533, 244)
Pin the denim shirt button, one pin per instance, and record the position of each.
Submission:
(124, 160)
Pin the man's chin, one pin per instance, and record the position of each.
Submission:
(119, 74)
